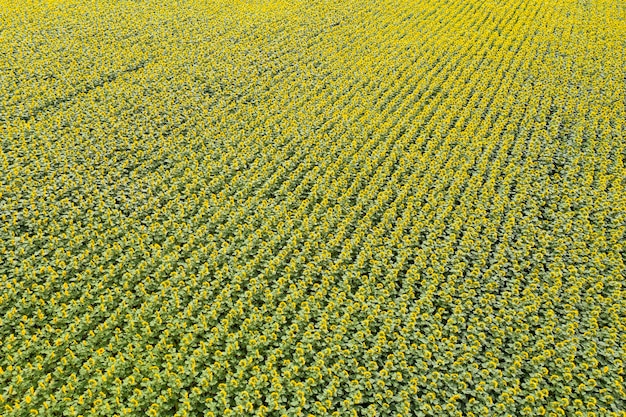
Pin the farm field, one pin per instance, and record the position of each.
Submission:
(312, 208)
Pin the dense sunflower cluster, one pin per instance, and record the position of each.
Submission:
(312, 208)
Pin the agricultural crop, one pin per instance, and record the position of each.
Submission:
(312, 208)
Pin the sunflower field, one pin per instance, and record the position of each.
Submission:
(312, 208)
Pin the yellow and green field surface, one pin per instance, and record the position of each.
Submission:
(312, 208)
